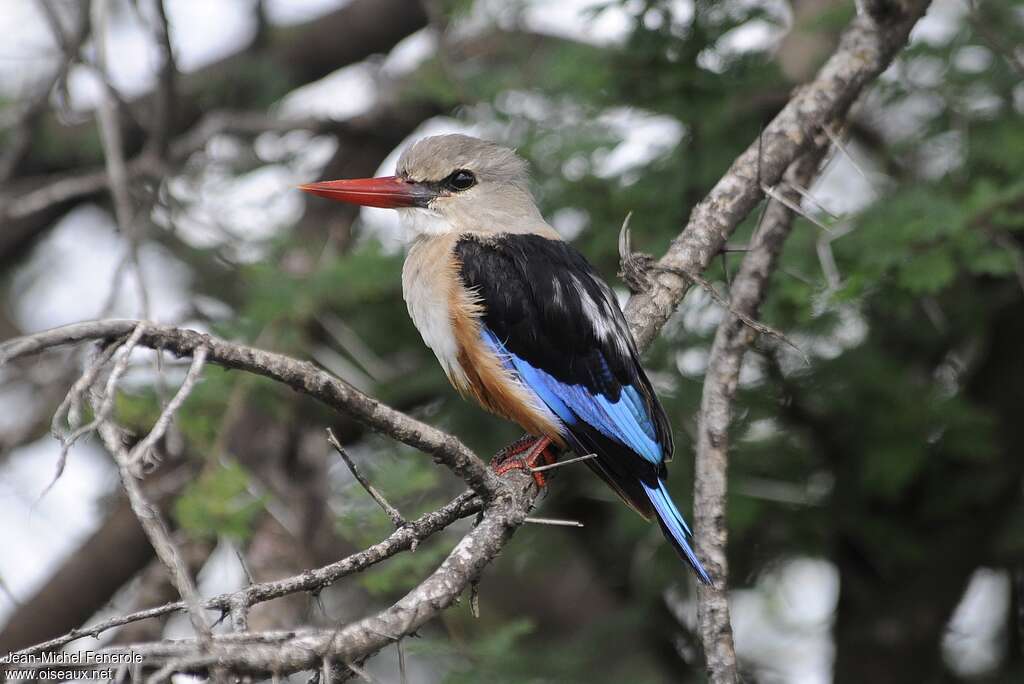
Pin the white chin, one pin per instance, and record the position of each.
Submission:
(417, 221)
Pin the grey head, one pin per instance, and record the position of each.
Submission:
(475, 186)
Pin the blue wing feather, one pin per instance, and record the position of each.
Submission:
(624, 420)
(557, 327)
(678, 531)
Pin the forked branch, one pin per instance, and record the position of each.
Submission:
(865, 50)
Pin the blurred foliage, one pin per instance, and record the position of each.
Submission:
(894, 453)
(219, 504)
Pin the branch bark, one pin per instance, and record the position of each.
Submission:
(732, 339)
(309, 581)
(93, 573)
(866, 48)
(864, 51)
(299, 375)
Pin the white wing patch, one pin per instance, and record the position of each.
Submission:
(608, 326)
(607, 320)
(556, 284)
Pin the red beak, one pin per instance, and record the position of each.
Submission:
(389, 192)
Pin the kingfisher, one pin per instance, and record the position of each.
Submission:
(521, 322)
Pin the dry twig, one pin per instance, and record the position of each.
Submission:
(141, 457)
(425, 526)
(113, 152)
(396, 518)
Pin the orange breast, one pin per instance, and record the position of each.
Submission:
(486, 378)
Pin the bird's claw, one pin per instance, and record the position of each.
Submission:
(524, 454)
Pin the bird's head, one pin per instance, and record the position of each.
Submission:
(448, 183)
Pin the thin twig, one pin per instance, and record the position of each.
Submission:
(724, 302)
(164, 103)
(113, 151)
(156, 530)
(106, 405)
(141, 457)
(553, 521)
(559, 464)
(462, 506)
(69, 409)
(865, 49)
(302, 376)
(396, 518)
(19, 139)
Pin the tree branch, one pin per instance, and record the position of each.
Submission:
(301, 54)
(299, 375)
(396, 518)
(865, 49)
(732, 339)
(401, 540)
(284, 652)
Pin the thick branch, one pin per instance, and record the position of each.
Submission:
(865, 50)
(299, 375)
(732, 339)
(284, 652)
(311, 581)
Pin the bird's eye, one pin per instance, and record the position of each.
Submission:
(460, 180)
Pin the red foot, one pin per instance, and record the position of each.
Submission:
(535, 450)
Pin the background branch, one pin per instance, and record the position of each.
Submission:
(865, 49)
(733, 337)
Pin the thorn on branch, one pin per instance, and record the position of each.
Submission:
(245, 567)
(392, 512)
(403, 678)
(837, 141)
(634, 266)
(793, 206)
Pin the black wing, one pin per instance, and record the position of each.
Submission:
(566, 337)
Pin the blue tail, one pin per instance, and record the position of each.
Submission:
(675, 528)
